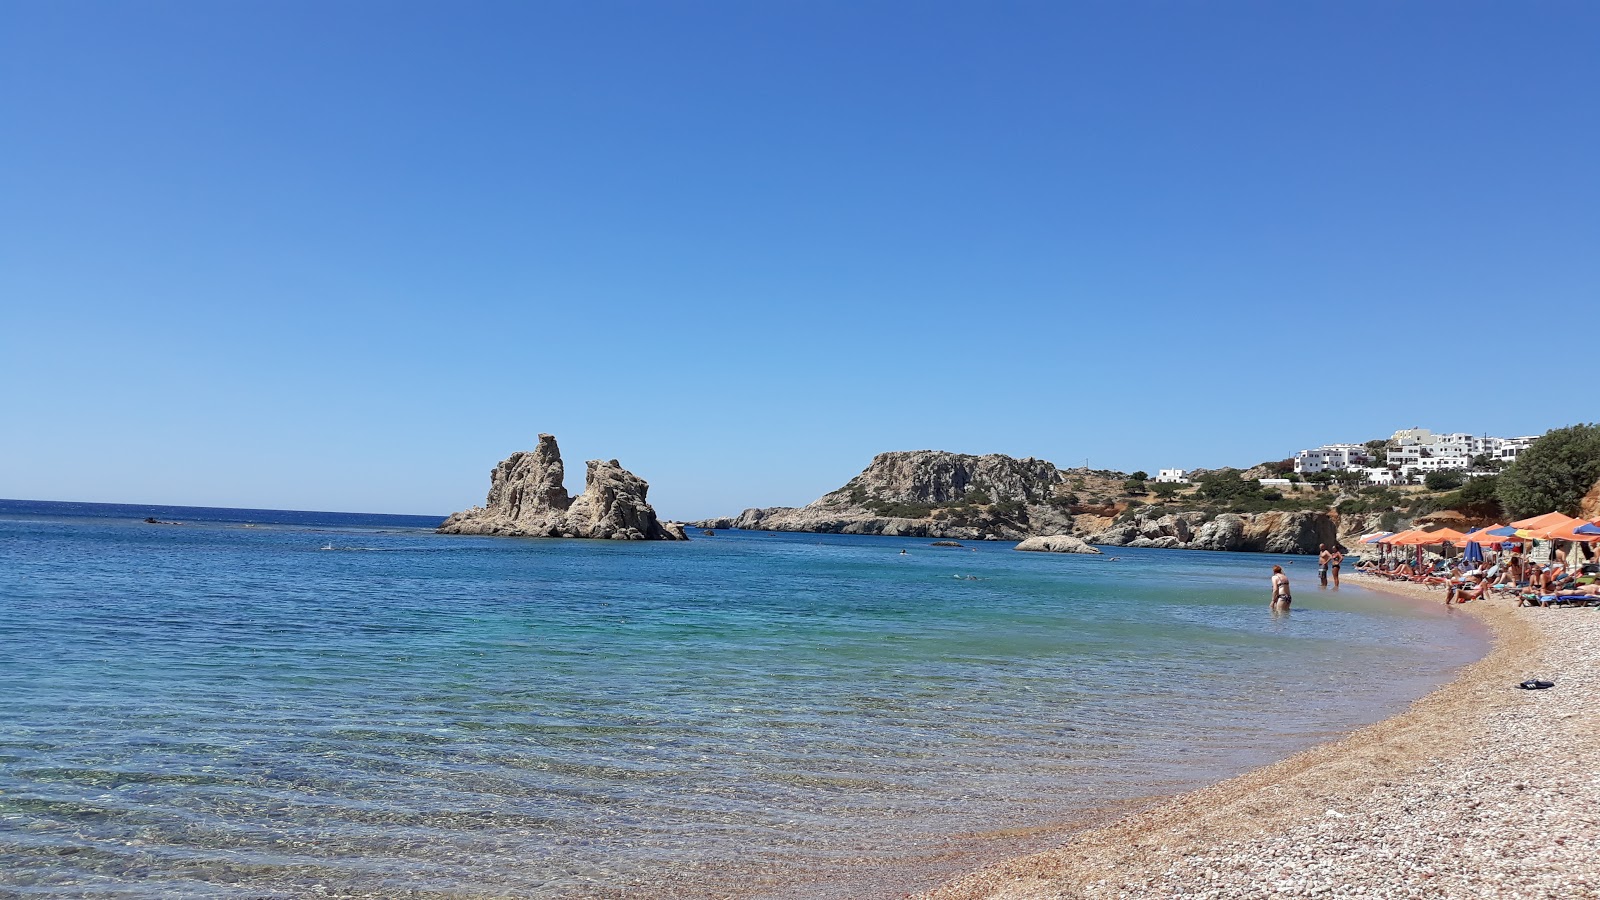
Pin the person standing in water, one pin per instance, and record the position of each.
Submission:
(1280, 589)
(1334, 559)
(1322, 563)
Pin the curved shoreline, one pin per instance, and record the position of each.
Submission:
(1477, 790)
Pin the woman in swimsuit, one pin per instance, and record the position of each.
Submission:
(1334, 559)
(1280, 588)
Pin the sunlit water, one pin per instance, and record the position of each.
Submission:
(214, 710)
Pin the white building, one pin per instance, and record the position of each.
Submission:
(1331, 458)
(1384, 475)
(1511, 448)
(1274, 482)
(1173, 476)
(1411, 446)
(1441, 463)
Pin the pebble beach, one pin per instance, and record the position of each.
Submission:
(1480, 789)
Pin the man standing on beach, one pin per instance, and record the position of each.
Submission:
(1322, 563)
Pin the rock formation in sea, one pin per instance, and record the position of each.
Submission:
(528, 499)
(1055, 543)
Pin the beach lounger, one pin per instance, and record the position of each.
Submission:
(1568, 600)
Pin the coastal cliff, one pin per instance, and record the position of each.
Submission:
(527, 498)
(1266, 532)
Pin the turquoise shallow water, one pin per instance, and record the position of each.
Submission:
(212, 710)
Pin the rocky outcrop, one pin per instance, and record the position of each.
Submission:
(928, 493)
(1589, 506)
(932, 493)
(1056, 543)
(528, 499)
(1267, 532)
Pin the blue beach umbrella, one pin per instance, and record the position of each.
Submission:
(1587, 529)
(1506, 531)
(1473, 553)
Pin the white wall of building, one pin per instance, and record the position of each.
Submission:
(1331, 458)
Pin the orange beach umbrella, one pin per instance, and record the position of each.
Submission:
(1568, 532)
(1412, 538)
(1538, 522)
(1555, 527)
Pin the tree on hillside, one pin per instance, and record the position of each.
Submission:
(1483, 462)
(1479, 497)
(1225, 484)
(1350, 479)
(1165, 489)
(1552, 474)
(1443, 480)
(1140, 475)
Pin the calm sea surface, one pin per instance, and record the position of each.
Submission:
(271, 704)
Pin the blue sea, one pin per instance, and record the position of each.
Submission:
(252, 703)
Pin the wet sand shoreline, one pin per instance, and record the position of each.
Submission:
(1479, 789)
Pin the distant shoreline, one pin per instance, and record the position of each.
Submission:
(209, 513)
(1428, 800)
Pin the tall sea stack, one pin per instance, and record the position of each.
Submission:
(528, 499)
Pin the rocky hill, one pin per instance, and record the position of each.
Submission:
(933, 493)
(528, 499)
(936, 494)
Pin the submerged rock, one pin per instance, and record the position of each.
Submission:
(527, 499)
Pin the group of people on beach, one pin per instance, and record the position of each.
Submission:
(1510, 571)
(1327, 559)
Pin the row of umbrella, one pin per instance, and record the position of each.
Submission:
(1548, 527)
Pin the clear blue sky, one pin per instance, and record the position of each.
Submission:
(348, 255)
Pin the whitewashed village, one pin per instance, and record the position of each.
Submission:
(1407, 457)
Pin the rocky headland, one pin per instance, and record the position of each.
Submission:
(937, 494)
(932, 493)
(527, 498)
